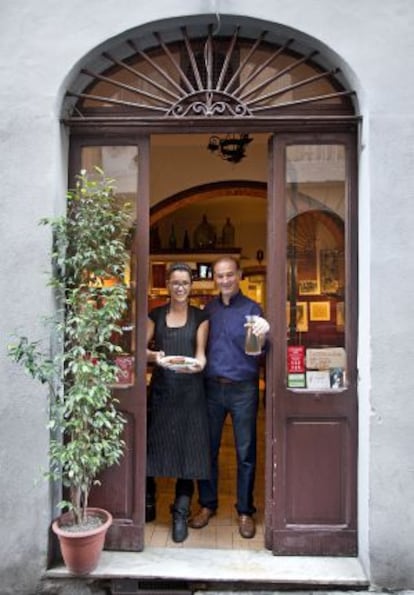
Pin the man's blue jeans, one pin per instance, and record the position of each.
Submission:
(240, 400)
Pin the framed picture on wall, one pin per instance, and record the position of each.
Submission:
(204, 270)
(309, 287)
(302, 317)
(340, 316)
(329, 271)
(320, 311)
(302, 325)
(158, 275)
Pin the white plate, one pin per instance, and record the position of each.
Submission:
(177, 362)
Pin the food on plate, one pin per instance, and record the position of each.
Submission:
(176, 359)
(177, 362)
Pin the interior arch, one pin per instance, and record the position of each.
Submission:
(228, 189)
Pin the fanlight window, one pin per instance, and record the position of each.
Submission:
(228, 77)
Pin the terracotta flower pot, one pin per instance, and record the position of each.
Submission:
(81, 550)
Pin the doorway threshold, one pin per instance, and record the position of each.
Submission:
(227, 566)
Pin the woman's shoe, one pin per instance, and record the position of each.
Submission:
(180, 513)
(150, 512)
(150, 494)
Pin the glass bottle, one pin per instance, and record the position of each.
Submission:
(227, 234)
(155, 240)
(172, 240)
(204, 235)
(252, 342)
(186, 241)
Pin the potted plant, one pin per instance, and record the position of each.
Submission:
(89, 257)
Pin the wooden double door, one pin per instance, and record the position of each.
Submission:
(311, 374)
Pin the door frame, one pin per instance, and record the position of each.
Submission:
(140, 137)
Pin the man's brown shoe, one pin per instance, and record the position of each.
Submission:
(247, 527)
(200, 520)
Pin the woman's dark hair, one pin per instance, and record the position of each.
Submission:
(180, 266)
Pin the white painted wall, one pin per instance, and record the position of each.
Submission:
(42, 44)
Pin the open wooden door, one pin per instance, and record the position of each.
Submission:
(122, 489)
(311, 372)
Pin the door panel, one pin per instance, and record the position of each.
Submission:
(121, 476)
(308, 457)
(311, 372)
(122, 487)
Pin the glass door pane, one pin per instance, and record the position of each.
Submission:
(315, 267)
(120, 163)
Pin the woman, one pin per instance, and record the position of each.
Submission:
(178, 442)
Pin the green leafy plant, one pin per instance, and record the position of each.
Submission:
(89, 257)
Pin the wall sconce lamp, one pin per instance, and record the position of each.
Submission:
(231, 148)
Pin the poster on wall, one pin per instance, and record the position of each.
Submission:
(295, 358)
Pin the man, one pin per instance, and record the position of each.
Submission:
(232, 387)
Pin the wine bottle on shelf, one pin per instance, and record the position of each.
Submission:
(204, 235)
(172, 240)
(186, 241)
(227, 235)
(155, 240)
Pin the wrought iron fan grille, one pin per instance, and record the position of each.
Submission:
(205, 77)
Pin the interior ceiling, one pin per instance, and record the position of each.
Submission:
(217, 169)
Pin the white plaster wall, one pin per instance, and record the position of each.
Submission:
(40, 45)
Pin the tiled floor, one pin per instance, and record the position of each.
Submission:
(222, 530)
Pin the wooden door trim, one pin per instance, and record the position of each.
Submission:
(141, 249)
